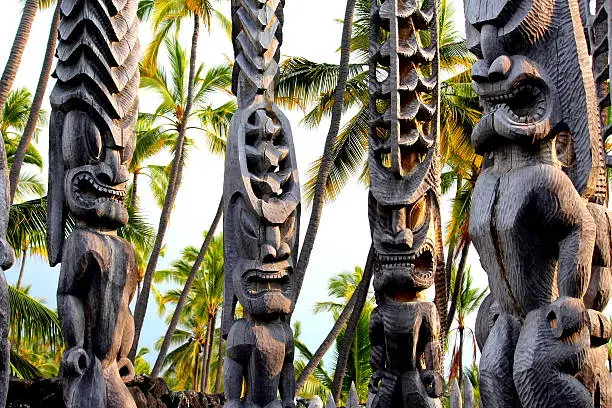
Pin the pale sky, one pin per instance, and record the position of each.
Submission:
(311, 30)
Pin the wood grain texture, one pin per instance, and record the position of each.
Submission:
(536, 217)
(261, 223)
(94, 109)
(404, 205)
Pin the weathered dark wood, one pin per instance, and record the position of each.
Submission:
(92, 139)
(261, 223)
(404, 210)
(536, 218)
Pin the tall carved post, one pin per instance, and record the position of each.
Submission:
(261, 223)
(91, 143)
(536, 217)
(404, 204)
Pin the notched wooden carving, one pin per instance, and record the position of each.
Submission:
(404, 205)
(261, 223)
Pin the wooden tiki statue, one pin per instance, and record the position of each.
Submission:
(404, 205)
(261, 223)
(92, 139)
(537, 218)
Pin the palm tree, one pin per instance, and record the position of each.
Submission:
(341, 287)
(33, 117)
(305, 83)
(19, 43)
(169, 13)
(457, 230)
(469, 300)
(326, 159)
(36, 336)
(201, 309)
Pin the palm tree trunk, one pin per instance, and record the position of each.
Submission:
(172, 190)
(134, 198)
(196, 372)
(351, 327)
(207, 346)
(19, 44)
(43, 80)
(217, 388)
(458, 283)
(460, 357)
(22, 269)
(329, 340)
(209, 341)
(327, 159)
(185, 293)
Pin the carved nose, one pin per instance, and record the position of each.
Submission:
(500, 68)
(401, 237)
(497, 71)
(112, 171)
(273, 249)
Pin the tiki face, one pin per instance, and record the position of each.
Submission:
(264, 213)
(404, 242)
(97, 172)
(520, 80)
(402, 158)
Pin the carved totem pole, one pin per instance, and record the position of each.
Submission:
(404, 212)
(91, 143)
(261, 223)
(537, 218)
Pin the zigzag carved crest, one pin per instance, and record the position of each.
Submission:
(97, 69)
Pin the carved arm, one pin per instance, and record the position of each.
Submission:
(567, 217)
(287, 376)
(377, 353)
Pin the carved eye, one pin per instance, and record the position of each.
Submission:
(93, 141)
(249, 224)
(418, 214)
(81, 139)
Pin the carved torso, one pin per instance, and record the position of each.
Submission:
(263, 347)
(100, 270)
(407, 328)
(521, 208)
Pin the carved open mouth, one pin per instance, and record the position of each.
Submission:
(259, 283)
(89, 192)
(525, 103)
(402, 275)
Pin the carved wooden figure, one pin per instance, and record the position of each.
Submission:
(91, 143)
(537, 218)
(262, 208)
(403, 205)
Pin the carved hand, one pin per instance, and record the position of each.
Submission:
(375, 381)
(566, 316)
(75, 361)
(433, 382)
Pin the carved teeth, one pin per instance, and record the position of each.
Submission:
(107, 193)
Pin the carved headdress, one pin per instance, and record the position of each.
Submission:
(94, 106)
